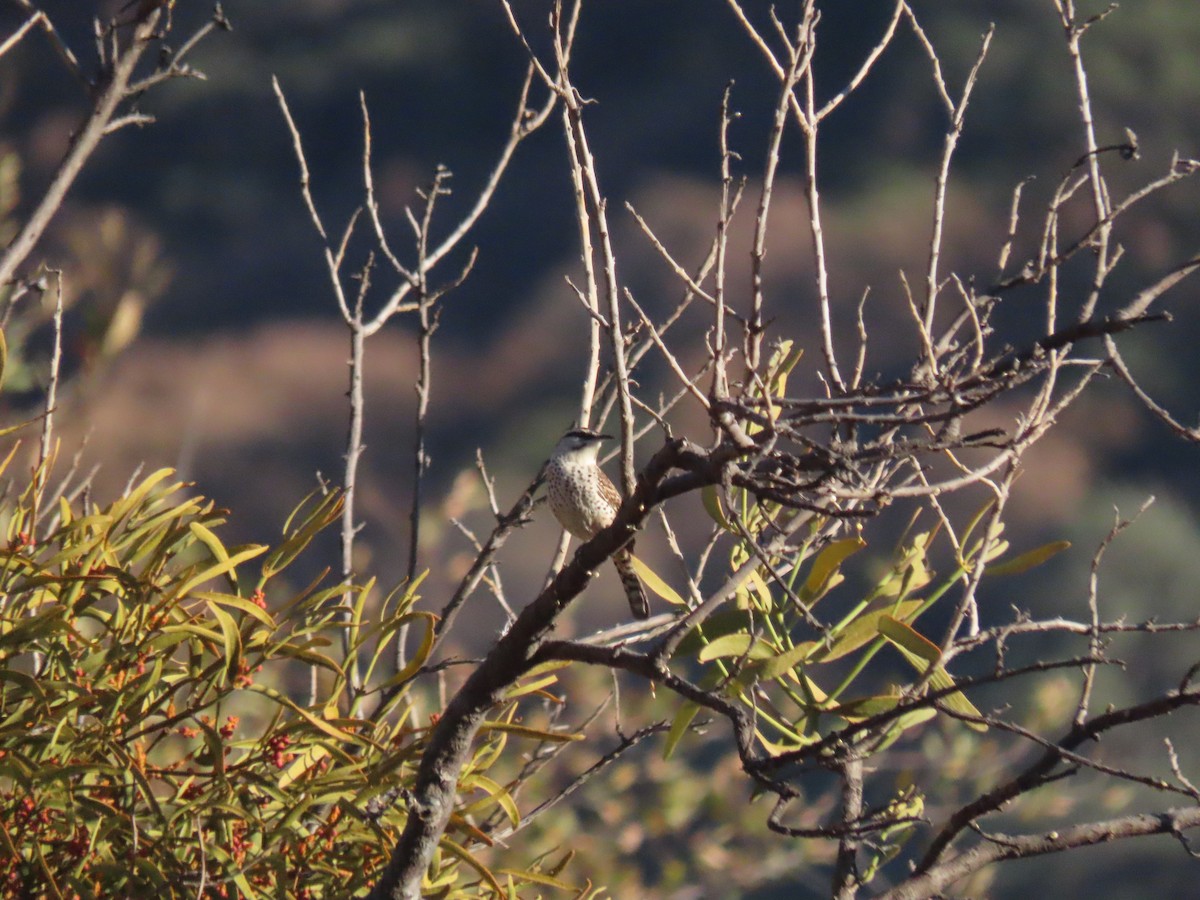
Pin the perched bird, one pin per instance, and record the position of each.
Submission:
(585, 501)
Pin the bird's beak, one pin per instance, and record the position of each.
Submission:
(604, 437)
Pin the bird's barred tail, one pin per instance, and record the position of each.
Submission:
(634, 591)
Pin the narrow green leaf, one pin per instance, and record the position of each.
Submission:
(325, 513)
(231, 637)
(239, 603)
(422, 652)
(650, 578)
(319, 724)
(736, 645)
(528, 687)
(495, 792)
(827, 565)
(537, 878)
(554, 737)
(904, 722)
(679, 726)
(787, 661)
(461, 852)
(920, 651)
(865, 707)
(907, 637)
(220, 568)
(865, 629)
(711, 499)
(210, 540)
(1029, 559)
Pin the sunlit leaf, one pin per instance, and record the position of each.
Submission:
(659, 587)
(323, 514)
(920, 651)
(785, 662)
(556, 737)
(711, 499)
(462, 854)
(496, 792)
(864, 629)
(220, 568)
(736, 645)
(537, 878)
(907, 637)
(827, 565)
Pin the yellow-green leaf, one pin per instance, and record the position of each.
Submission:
(461, 852)
(736, 645)
(231, 637)
(865, 707)
(1029, 559)
(679, 726)
(650, 578)
(312, 755)
(904, 722)
(495, 792)
(865, 628)
(421, 654)
(907, 637)
(827, 564)
(537, 878)
(210, 540)
(528, 687)
(556, 737)
(920, 651)
(711, 499)
(221, 568)
(321, 725)
(785, 662)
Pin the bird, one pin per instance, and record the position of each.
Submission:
(585, 501)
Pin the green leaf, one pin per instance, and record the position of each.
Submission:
(737, 646)
(726, 620)
(1029, 559)
(656, 584)
(239, 603)
(904, 722)
(461, 852)
(554, 737)
(220, 568)
(865, 707)
(537, 878)
(320, 724)
(422, 652)
(520, 689)
(711, 499)
(495, 791)
(920, 651)
(787, 661)
(679, 726)
(324, 514)
(210, 540)
(826, 567)
(231, 637)
(865, 629)
(905, 636)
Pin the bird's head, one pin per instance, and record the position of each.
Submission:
(580, 444)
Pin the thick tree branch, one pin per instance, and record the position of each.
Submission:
(433, 795)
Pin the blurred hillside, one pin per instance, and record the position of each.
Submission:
(239, 373)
